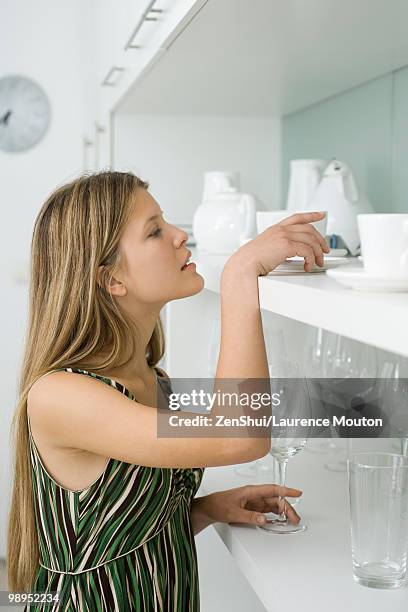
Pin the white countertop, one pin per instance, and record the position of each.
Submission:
(309, 571)
(376, 318)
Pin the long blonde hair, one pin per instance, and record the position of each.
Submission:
(72, 321)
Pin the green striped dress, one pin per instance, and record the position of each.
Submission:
(123, 544)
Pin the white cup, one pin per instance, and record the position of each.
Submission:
(265, 219)
(384, 244)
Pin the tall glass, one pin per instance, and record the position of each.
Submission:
(344, 358)
(314, 361)
(393, 389)
(378, 488)
(287, 440)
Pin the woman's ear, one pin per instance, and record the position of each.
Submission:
(110, 283)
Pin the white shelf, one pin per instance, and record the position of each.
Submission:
(312, 570)
(379, 319)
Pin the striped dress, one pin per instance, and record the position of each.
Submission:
(123, 544)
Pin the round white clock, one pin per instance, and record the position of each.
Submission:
(24, 113)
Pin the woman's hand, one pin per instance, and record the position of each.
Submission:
(245, 504)
(292, 236)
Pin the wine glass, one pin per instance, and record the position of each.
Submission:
(315, 356)
(287, 439)
(393, 390)
(344, 358)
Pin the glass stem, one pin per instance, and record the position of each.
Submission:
(404, 447)
(282, 482)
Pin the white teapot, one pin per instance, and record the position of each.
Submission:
(222, 223)
(339, 195)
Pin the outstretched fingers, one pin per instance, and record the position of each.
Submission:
(307, 217)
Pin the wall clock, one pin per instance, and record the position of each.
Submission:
(24, 113)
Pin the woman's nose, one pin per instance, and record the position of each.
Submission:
(181, 236)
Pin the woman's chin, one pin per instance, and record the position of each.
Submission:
(196, 283)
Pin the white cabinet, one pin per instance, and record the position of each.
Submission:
(126, 39)
(271, 57)
(129, 37)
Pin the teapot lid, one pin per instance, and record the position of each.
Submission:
(336, 168)
(345, 182)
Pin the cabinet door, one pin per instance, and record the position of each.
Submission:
(129, 39)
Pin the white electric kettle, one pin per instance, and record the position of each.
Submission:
(224, 221)
(338, 194)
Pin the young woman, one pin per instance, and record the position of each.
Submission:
(103, 510)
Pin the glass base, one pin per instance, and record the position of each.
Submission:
(277, 526)
(379, 575)
(336, 466)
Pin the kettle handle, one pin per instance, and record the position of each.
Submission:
(247, 205)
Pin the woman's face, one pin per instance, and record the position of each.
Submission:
(153, 252)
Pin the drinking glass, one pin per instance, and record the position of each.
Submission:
(378, 489)
(287, 439)
(314, 361)
(393, 390)
(344, 358)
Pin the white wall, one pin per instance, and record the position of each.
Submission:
(173, 151)
(47, 41)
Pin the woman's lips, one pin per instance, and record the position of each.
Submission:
(189, 266)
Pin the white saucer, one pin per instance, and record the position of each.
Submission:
(296, 264)
(357, 278)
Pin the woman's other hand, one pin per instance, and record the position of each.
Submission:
(247, 504)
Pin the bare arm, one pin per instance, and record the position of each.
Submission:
(73, 411)
(242, 351)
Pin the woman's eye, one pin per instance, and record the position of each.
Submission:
(156, 233)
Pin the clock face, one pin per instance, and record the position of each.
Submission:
(24, 113)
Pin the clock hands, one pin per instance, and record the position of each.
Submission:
(6, 117)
